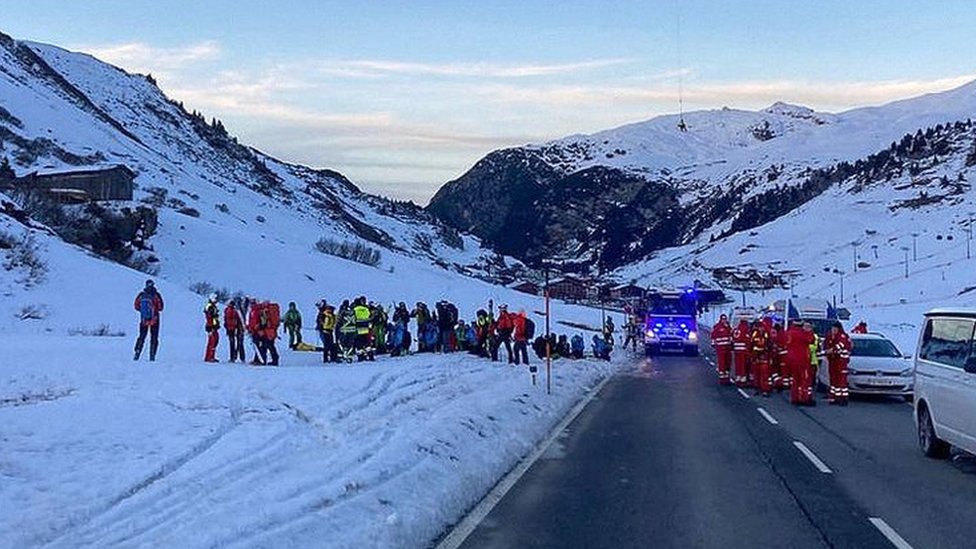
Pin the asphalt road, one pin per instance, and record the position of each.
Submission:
(664, 457)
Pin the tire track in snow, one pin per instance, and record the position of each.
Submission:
(161, 473)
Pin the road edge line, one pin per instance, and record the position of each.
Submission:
(473, 518)
(767, 415)
(890, 533)
(816, 461)
(744, 394)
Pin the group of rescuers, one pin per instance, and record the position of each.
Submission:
(359, 330)
(762, 355)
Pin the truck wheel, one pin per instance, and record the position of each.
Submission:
(931, 445)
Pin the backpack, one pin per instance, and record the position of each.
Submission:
(529, 329)
(146, 309)
(274, 316)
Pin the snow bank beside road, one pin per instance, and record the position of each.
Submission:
(100, 451)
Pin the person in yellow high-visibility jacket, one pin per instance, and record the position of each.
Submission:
(364, 348)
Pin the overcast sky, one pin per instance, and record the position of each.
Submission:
(402, 96)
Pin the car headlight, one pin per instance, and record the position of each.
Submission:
(650, 334)
(692, 336)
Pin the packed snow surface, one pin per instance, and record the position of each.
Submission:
(100, 451)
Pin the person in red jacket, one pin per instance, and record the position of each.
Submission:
(519, 323)
(759, 346)
(504, 327)
(234, 325)
(722, 343)
(211, 315)
(253, 321)
(149, 305)
(860, 328)
(837, 347)
(798, 343)
(740, 347)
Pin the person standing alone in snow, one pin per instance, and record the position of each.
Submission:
(293, 323)
(149, 304)
(212, 326)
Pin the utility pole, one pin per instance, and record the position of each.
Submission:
(855, 244)
(841, 273)
(914, 246)
(905, 249)
(548, 342)
(969, 233)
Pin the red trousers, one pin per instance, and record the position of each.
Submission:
(742, 368)
(723, 362)
(801, 391)
(762, 369)
(212, 338)
(785, 376)
(837, 368)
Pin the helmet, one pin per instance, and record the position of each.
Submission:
(150, 284)
(213, 298)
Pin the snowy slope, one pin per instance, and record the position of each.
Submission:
(100, 451)
(62, 110)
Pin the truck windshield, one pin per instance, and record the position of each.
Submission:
(673, 307)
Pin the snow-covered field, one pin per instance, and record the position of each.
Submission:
(98, 451)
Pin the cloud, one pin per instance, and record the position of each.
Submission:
(747, 94)
(142, 57)
(366, 68)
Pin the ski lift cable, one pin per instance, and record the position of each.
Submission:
(681, 102)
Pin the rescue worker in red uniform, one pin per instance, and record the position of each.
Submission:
(234, 325)
(722, 343)
(212, 326)
(860, 328)
(798, 341)
(740, 347)
(783, 376)
(837, 346)
(759, 345)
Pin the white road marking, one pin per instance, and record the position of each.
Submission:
(817, 462)
(768, 417)
(890, 533)
(743, 393)
(456, 537)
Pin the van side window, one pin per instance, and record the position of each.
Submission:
(947, 341)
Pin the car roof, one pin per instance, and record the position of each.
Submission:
(952, 311)
(872, 335)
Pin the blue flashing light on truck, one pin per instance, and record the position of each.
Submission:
(671, 322)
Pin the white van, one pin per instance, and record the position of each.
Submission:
(945, 382)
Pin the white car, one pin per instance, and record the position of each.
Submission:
(877, 367)
(945, 382)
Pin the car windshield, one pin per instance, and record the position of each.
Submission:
(875, 347)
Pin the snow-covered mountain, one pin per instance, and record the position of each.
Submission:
(610, 199)
(200, 196)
